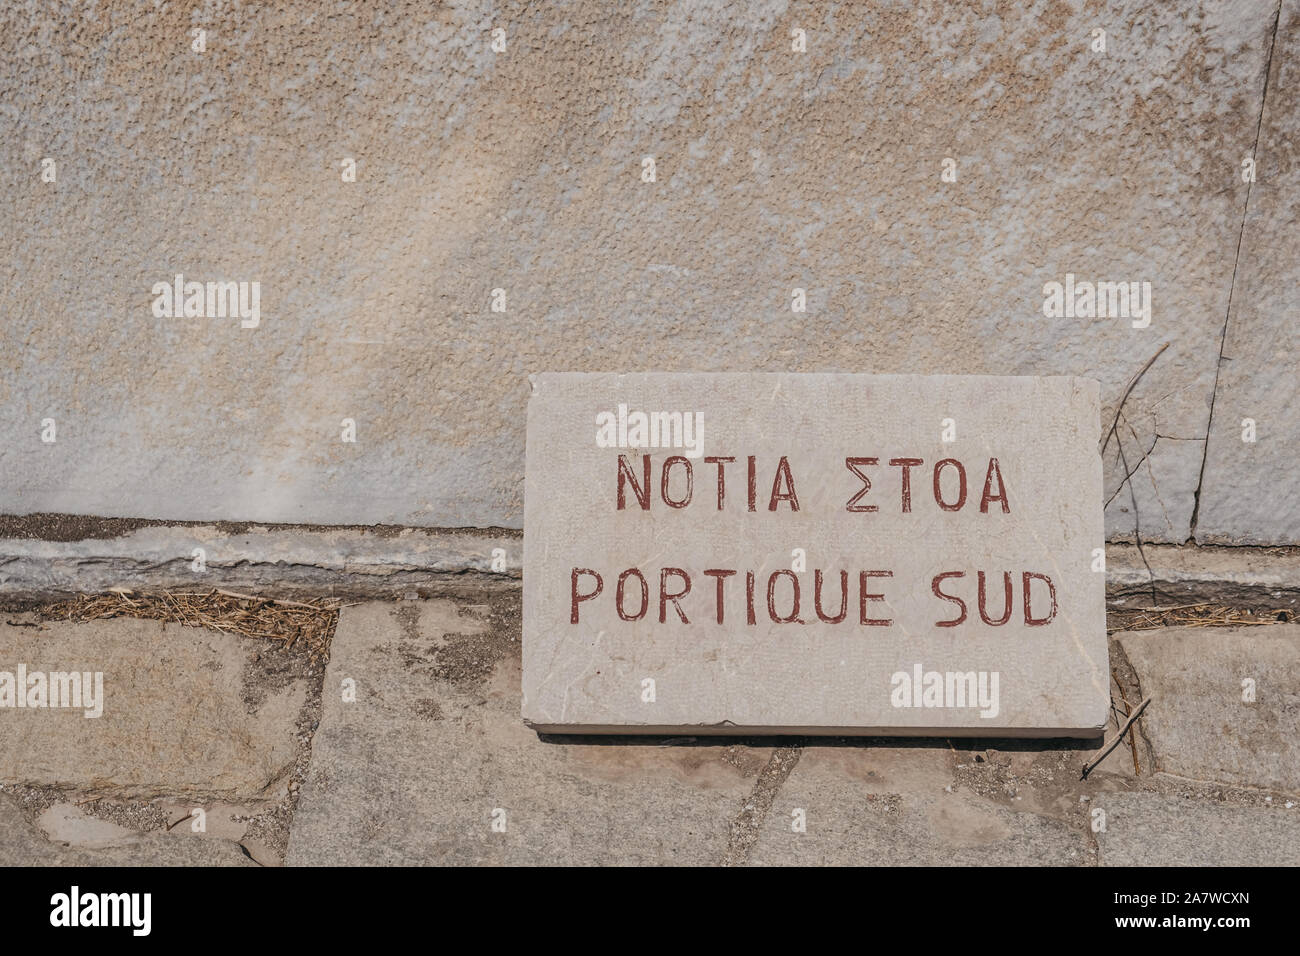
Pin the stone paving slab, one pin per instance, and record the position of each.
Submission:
(859, 810)
(178, 714)
(23, 844)
(412, 771)
(1150, 829)
(1198, 723)
(433, 752)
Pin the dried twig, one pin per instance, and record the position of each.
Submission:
(1132, 738)
(1124, 398)
(1128, 480)
(1092, 764)
(249, 597)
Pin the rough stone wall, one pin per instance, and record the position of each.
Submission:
(522, 170)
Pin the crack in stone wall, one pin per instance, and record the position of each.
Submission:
(1232, 284)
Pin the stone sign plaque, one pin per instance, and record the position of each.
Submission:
(814, 554)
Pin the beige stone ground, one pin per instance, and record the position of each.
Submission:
(431, 760)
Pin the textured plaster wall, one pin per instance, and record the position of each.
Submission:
(522, 170)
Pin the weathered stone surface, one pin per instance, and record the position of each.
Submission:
(261, 560)
(68, 825)
(1164, 482)
(413, 770)
(1251, 493)
(1033, 441)
(858, 813)
(22, 844)
(1198, 723)
(175, 719)
(522, 170)
(1234, 577)
(1149, 829)
(64, 823)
